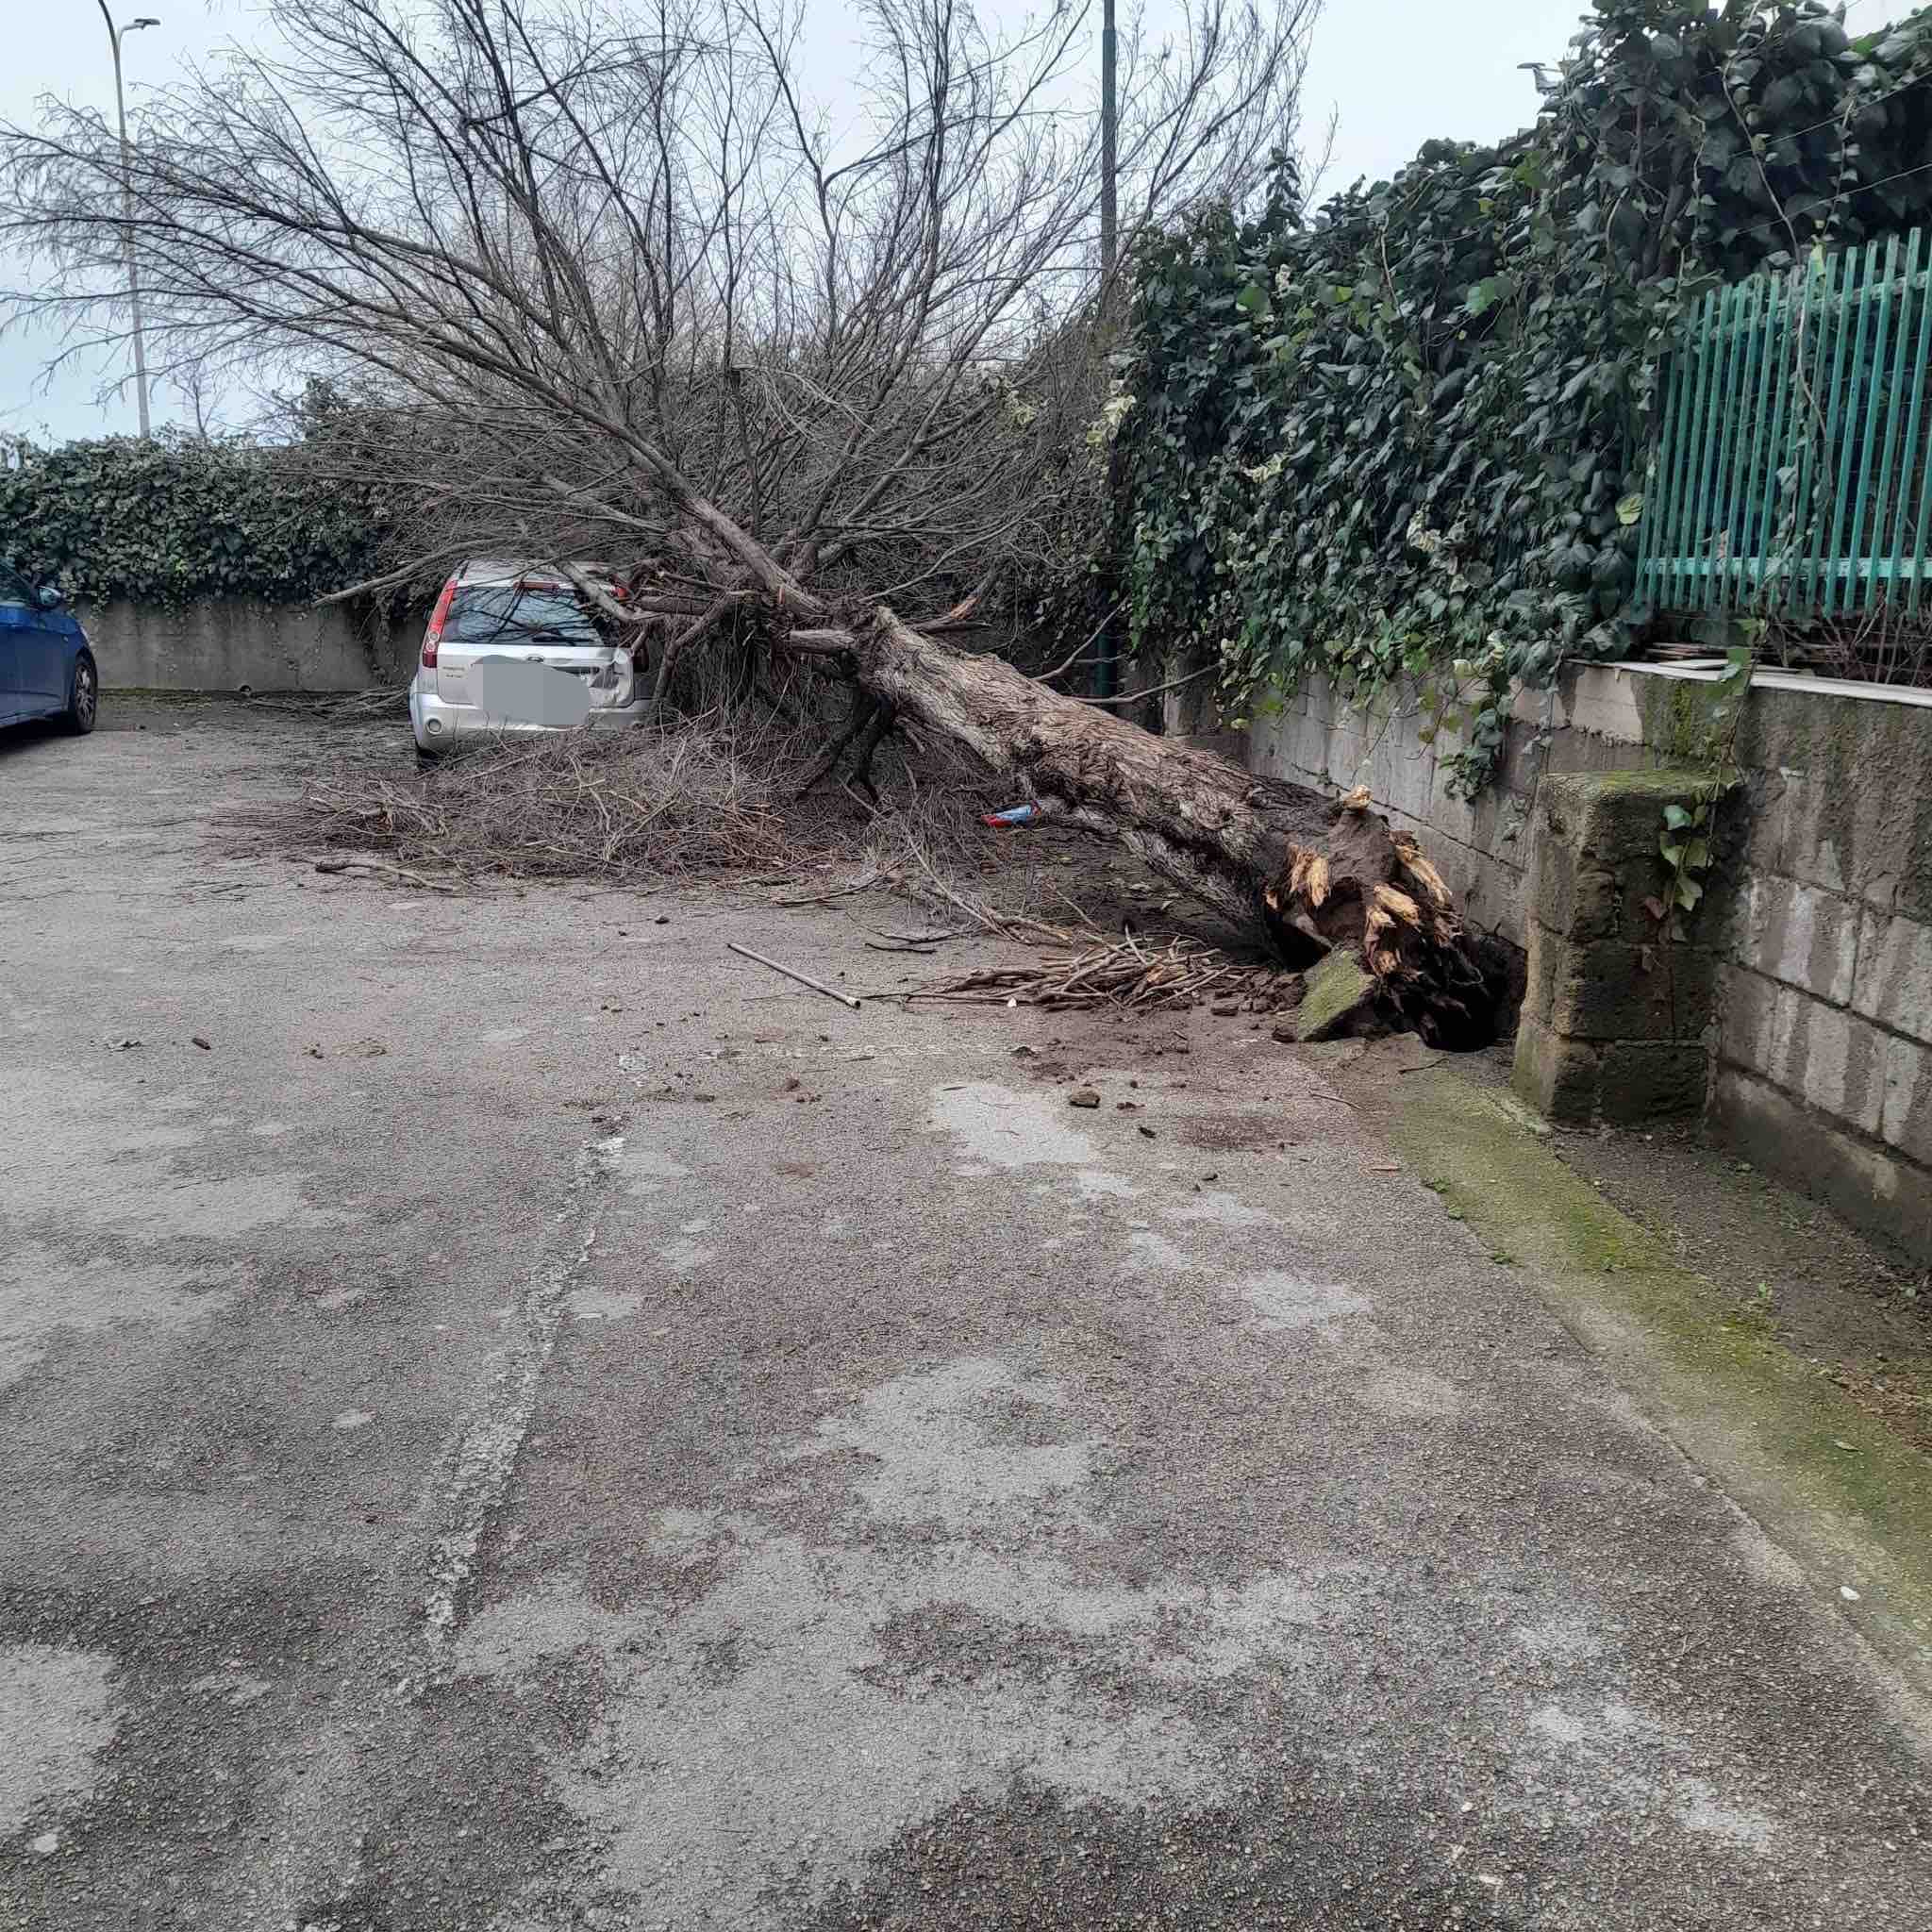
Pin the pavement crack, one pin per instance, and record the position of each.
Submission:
(476, 1472)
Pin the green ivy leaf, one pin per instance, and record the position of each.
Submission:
(1463, 400)
(1486, 295)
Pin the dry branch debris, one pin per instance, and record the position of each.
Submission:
(1125, 973)
(831, 992)
(335, 707)
(643, 808)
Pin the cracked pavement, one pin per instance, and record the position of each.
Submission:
(478, 1458)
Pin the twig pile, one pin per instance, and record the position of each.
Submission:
(1125, 973)
(719, 797)
(639, 807)
(361, 706)
(343, 708)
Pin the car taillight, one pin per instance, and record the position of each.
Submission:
(438, 617)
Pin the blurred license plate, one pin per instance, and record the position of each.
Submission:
(513, 691)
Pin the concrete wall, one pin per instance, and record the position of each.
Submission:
(1821, 1040)
(222, 643)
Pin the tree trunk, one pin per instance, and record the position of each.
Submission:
(1311, 873)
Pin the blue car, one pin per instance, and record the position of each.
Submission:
(47, 667)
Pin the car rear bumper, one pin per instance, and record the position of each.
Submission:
(438, 724)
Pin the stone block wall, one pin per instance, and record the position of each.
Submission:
(1615, 1018)
(1823, 1061)
(1816, 937)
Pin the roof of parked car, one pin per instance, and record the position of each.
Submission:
(485, 570)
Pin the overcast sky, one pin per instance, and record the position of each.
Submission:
(1397, 72)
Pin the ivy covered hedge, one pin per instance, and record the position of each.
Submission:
(175, 518)
(1406, 438)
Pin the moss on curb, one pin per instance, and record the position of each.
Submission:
(1840, 1490)
(1335, 989)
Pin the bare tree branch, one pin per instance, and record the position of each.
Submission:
(584, 278)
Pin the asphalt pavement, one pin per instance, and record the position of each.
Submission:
(514, 1417)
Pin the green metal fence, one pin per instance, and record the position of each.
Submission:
(1790, 469)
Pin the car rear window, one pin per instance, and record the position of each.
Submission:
(502, 613)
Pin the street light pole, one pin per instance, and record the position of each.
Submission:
(114, 38)
(1110, 124)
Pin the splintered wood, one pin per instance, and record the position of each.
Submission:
(1127, 972)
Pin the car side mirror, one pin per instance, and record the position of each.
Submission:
(51, 599)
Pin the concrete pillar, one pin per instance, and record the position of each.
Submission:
(1617, 1018)
(1192, 717)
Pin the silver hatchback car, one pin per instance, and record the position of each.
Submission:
(512, 647)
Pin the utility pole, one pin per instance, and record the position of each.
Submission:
(115, 35)
(1110, 130)
(1109, 668)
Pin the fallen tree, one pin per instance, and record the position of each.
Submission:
(1310, 872)
(577, 279)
